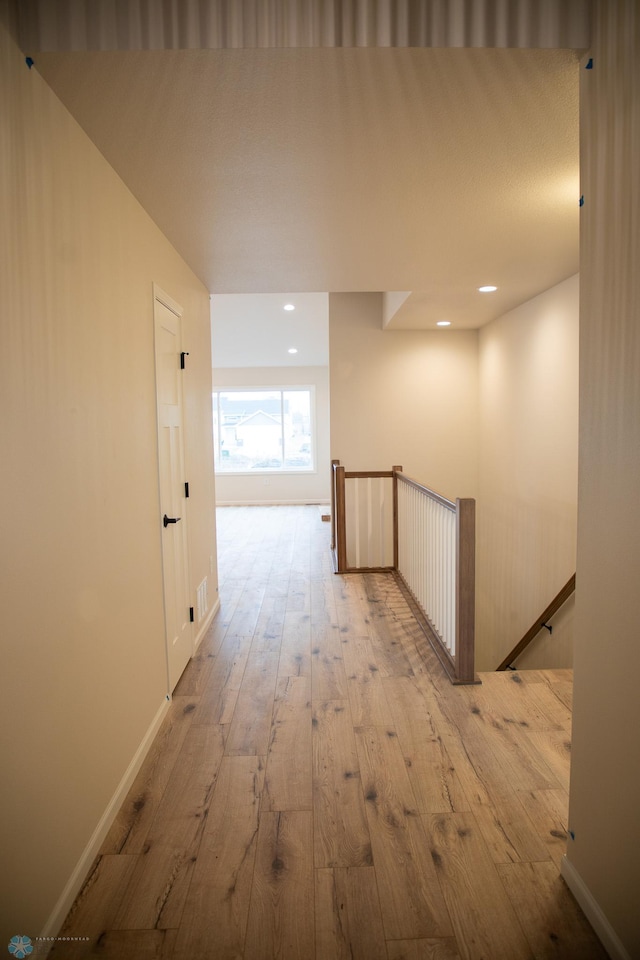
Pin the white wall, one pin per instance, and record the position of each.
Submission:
(82, 625)
(603, 858)
(403, 396)
(528, 472)
(311, 487)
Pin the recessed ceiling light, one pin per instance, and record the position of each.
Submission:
(289, 306)
(487, 289)
(293, 350)
(443, 323)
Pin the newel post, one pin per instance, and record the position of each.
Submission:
(465, 589)
(334, 464)
(341, 520)
(396, 470)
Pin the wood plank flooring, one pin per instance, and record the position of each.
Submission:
(319, 790)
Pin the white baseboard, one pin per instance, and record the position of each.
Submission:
(75, 881)
(80, 871)
(593, 912)
(206, 623)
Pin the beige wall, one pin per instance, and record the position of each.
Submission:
(527, 492)
(311, 487)
(603, 861)
(402, 396)
(83, 658)
(492, 414)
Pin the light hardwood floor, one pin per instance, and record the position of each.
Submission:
(320, 790)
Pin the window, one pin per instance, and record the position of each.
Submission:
(263, 430)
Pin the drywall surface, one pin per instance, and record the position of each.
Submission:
(527, 501)
(82, 623)
(605, 774)
(402, 397)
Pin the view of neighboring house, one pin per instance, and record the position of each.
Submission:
(262, 430)
(256, 437)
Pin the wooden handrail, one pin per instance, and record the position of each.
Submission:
(561, 597)
(367, 474)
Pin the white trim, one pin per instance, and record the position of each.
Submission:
(169, 302)
(593, 911)
(206, 623)
(90, 852)
(272, 503)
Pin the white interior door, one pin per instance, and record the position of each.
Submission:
(173, 520)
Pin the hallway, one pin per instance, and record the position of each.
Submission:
(320, 790)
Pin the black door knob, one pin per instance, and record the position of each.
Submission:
(167, 520)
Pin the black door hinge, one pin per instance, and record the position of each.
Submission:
(185, 353)
(186, 490)
(191, 615)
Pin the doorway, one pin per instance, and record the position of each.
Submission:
(173, 502)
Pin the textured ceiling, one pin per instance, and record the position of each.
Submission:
(423, 170)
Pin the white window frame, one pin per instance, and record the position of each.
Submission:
(269, 388)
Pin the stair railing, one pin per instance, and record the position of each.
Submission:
(560, 598)
(363, 519)
(386, 521)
